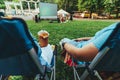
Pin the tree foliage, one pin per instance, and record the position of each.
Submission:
(112, 6)
(99, 6)
(68, 5)
(2, 5)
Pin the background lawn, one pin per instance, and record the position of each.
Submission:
(71, 29)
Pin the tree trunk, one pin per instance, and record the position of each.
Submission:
(90, 14)
(117, 13)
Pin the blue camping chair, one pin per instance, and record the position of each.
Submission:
(19, 52)
(48, 60)
(106, 60)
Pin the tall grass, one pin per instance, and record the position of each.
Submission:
(71, 29)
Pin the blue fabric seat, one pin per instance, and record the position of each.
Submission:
(110, 62)
(19, 51)
(108, 57)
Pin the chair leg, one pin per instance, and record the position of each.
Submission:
(38, 77)
(53, 74)
(3, 77)
(51, 77)
(76, 76)
(98, 76)
(74, 73)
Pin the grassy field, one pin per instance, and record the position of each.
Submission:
(71, 29)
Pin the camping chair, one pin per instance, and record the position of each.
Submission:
(106, 60)
(19, 51)
(48, 59)
(108, 57)
(53, 74)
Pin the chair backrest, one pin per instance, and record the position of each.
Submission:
(15, 44)
(110, 62)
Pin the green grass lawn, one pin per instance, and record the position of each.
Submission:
(71, 29)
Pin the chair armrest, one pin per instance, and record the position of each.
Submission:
(82, 39)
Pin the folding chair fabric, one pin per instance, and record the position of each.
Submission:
(15, 42)
(108, 57)
(110, 62)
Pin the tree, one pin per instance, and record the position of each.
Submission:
(108, 6)
(89, 5)
(99, 6)
(1, 1)
(68, 5)
(80, 5)
(2, 5)
(15, 0)
(116, 7)
(112, 6)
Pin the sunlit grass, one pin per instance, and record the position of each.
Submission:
(71, 29)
